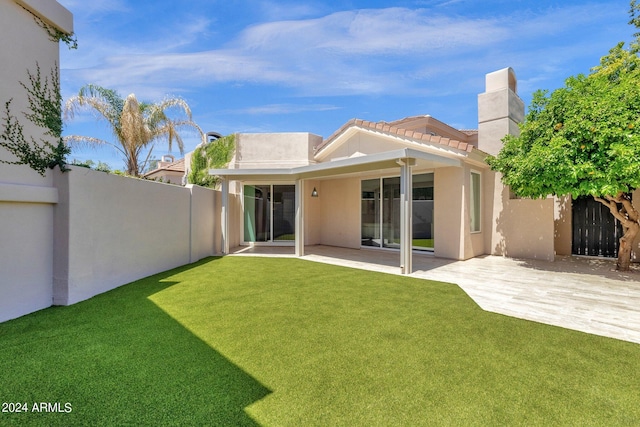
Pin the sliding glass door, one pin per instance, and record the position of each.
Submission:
(422, 207)
(380, 222)
(391, 213)
(370, 223)
(269, 213)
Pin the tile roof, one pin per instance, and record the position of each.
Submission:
(387, 128)
(177, 166)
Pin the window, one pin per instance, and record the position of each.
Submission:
(474, 202)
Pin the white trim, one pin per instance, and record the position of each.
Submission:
(406, 216)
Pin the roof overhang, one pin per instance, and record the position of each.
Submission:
(367, 163)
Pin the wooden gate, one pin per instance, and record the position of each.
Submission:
(595, 231)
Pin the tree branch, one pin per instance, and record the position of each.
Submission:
(628, 214)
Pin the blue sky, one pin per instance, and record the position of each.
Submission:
(282, 66)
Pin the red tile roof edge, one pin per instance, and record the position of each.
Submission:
(392, 130)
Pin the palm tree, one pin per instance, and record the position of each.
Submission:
(137, 126)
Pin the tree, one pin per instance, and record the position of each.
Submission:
(90, 164)
(583, 140)
(137, 126)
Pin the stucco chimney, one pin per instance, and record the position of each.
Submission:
(500, 109)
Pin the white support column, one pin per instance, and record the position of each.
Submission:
(224, 217)
(299, 231)
(406, 214)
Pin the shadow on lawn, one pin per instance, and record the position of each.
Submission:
(119, 359)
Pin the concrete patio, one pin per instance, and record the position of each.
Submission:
(584, 294)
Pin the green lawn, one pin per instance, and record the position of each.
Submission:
(272, 341)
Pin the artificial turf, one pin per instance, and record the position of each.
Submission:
(272, 341)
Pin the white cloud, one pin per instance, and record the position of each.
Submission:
(390, 50)
(391, 31)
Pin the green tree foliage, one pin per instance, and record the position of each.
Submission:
(90, 164)
(45, 102)
(136, 126)
(583, 140)
(215, 154)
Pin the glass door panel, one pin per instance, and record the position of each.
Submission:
(391, 212)
(423, 211)
(284, 212)
(257, 213)
(380, 212)
(370, 222)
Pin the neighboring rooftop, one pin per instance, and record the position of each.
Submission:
(168, 169)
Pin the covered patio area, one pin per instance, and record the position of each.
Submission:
(584, 294)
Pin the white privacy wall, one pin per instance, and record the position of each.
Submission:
(112, 230)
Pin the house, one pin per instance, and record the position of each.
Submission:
(168, 170)
(415, 184)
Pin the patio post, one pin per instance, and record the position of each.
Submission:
(299, 228)
(406, 214)
(224, 217)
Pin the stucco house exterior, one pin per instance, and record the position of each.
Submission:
(168, 170)
(415, 184)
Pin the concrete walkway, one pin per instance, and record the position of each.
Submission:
(584, 294)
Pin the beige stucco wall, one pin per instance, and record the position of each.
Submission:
(111, 230)
(26, 198)
(516, 228)
(563, 231)
(202, 224)
(274, 150)
(312, 210)
(360, 144)
(500, 109)
(448, 218)
(340, 212)
(452, 201)
(235, 221)
(523, 228)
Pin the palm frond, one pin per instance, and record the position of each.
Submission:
(89, 142)
(136, 125)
